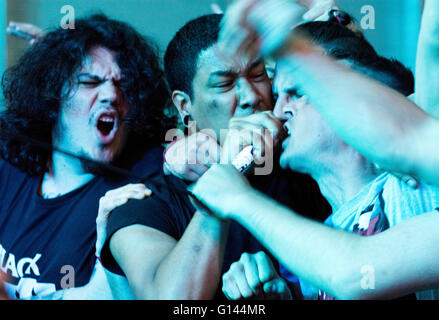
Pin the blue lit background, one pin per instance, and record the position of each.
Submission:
(395, 34)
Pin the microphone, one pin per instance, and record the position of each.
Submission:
(244, 160)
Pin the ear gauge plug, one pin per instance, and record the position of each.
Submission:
(185, 119)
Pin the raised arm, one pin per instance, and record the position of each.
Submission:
(427, 60)
(379, 122)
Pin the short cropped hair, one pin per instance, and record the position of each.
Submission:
(182, 53)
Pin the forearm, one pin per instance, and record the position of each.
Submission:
(398, 261)
(103, 285)
(379, 122)
(317, 254)
(427, 62)
(192, 269)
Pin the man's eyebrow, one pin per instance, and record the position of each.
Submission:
(256, 63)
(229, 73)
(89, 75)
(222, 73)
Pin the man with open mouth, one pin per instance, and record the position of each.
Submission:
(76, 105)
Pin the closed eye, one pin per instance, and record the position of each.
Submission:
(260, 76)
(293, 93)
(223, 86)
(89, 82)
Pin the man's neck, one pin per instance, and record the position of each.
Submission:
(65, 174)
(341, 180)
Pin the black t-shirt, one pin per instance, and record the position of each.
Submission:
(167, 210)
(170, 211)
(48, 243)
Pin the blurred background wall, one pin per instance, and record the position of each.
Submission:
(3, 51)
(158, 19)
(395, 30)
(397, 24)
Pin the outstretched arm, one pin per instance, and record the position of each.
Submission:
(376, 120)
(427, 60)
(379, 122)
(398, 261)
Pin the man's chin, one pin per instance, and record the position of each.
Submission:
(99, 162)
(289, 163)
(94, 166)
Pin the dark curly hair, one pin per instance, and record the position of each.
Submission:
(35, 87)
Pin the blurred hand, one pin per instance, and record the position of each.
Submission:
(221, 189)
(317, 9)
(26, 31)
(261, 27)
(257, 27)
(113, 199)
(262, 130)
(254, 277)
(189, 157)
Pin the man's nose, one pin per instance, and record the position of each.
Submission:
(286, 107)
(248, 98)
(279, 107)
(108, 92)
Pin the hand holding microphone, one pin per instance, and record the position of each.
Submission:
(249, 139)
(254, 137)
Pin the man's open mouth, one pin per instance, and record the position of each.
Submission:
(106, 126)
(287, 129)
(287, 136)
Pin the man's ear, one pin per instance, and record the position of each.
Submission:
(182, 102)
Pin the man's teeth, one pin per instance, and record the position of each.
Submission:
(107, 119)
(106, 124)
